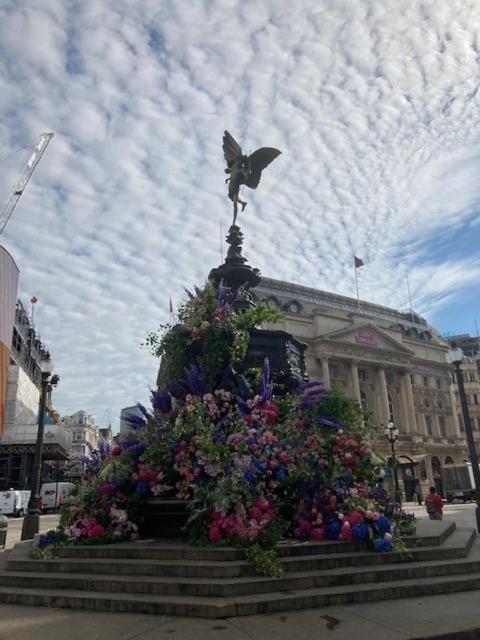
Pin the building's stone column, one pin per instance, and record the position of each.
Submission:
(355, 383)
(325, 371)
(454, 422)
(411, 426)
(383, 396)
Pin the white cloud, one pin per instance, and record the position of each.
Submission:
(374, 106)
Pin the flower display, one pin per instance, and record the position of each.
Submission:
(253, 462)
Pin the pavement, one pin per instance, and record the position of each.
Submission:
(454, 616)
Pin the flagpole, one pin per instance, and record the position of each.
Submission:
(356, 283)
(409, 294)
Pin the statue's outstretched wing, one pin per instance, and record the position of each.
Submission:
(260, 159)
(231, 149)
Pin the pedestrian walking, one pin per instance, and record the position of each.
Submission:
(434, 505)
(418, 493)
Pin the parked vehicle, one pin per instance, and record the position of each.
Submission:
(456, 482)
(14, 502)
(52, 490)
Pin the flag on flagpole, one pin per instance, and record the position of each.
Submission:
(358, 262)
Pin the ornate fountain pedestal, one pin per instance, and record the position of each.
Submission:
(285, 353)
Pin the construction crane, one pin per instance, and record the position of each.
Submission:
(19, 188)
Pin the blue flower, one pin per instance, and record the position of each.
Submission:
(143, 487)
(382, 545)
(383, 524)
(333, 530)
(360, 531)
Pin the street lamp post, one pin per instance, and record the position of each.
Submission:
(455, 356)
(392, 435)
(31, 522)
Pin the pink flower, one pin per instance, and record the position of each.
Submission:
(317, 533)
(346, 531)
(255, 513)
(214, 534)
(354, 518)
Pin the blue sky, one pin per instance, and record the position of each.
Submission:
(375, 106)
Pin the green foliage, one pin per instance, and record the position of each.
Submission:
(339, 406)
(406, 525)
(218, 336)
(265, 562)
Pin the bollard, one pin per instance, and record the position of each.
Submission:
(3, 530)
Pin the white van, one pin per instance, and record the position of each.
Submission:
(51, 489)
(14, 502)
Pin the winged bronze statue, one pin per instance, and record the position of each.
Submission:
(244, 169)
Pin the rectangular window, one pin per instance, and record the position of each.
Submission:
(425, 381)
(362, 374)
(390, 377)
(439, 383)
(475, 398)
(460, 420)
(428, 422)
(441, 423)
(412, 378)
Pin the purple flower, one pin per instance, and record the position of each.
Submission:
(194, 381)
(265, 386)
(329, 422)
(311, 393)
(243, 406)
(161, 401)
(189, 293)
(243, 388)
(177, 391)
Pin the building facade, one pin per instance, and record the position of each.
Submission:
(8, 296)
(84, 434)
(20, 415)
(125, 426)
(392, 363)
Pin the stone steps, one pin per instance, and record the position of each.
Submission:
(457, 546)
(211, 607)
(228, 587)
(164, 550)
(170, 578)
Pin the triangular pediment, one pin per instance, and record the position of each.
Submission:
(367, 335)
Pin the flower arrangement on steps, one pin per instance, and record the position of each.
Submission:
(253, 463)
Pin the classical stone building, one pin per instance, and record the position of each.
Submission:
(84, 434)
(392, 363)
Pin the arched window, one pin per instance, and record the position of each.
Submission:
(448, 460)
(390, 409)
